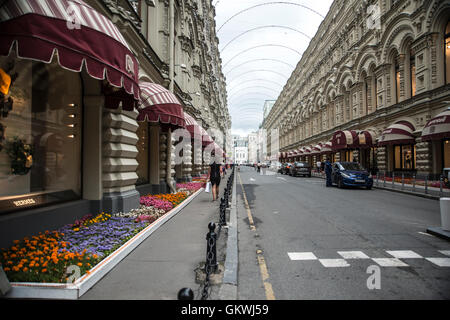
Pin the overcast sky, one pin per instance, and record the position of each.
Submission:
(260, 48)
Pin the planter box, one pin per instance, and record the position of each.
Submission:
(87, 281)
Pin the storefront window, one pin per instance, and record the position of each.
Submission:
(446, 153)
(142, 157)
(405, 157)
(40, 161)
(412, 65)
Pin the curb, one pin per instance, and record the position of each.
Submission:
(228, 289)
(75, 290)
(439, 232)
(417, 194)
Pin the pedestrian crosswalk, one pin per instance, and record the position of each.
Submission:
(396, 258)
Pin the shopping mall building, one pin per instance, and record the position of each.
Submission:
(86, 115)
(373, 86)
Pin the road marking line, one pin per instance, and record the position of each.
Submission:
(427, 234)
(441, 262)
(262, 263)
(404, 254)
(390, 262)
(353, 255)
(334, 263)
(302, 256)
(282, 178)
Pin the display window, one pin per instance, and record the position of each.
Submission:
(142, 170)
(404, 157)
(446, 153)
(41, 131)
(347, 156)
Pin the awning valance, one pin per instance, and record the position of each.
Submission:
(344, 139)
(76, 34)
(316, 149)
(196, 131)
(400, 132)
(307, 150)
(158, 104)
(438, 127)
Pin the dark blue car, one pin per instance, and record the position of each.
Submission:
(350, 174)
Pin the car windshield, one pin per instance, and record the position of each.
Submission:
(353, 166)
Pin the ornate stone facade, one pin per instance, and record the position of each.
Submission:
(364, 71)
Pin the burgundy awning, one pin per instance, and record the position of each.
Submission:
(76, 34)
(158, 104)
(438, 127)
(400, 132)
(344, 139)
(366, 139)
(326, 148)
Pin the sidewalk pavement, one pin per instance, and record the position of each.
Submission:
(166, 261)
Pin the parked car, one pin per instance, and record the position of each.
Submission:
(350, 174)
(285, 167)
(300, 169)
(275, 165)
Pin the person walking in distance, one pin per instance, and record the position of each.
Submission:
(328, 170)
(214, 177)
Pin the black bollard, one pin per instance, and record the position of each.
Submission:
(211, 256)
(186, 294)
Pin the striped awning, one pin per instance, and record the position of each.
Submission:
(327, 148)
(76, 34)
(366, 139)
(197, 132)
(438, 127)
(307, 150)
(158, 104)
(316, 149)
(400, 132)
(344, 139)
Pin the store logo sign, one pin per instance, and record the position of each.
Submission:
(20, 203)
(74, 21)
(129, 64)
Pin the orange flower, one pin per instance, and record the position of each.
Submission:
(79, 264)
(44, 270)
(25, 269)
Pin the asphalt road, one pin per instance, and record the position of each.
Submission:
(300, 226)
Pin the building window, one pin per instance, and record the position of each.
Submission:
(447, 53)
(143, 153)
(40, 161)
(412, 73)
(397, 81)
(405, 157)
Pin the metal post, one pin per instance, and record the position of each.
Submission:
(211, 257)
(414, 183)
(384, 179)
(426, 184)
(393, 179)
(377, 178)
(186, 294)
(441, 180)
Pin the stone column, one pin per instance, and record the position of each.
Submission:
(155, 175)
(424, 163)
(119, 161)
(92, 142)
(162, 162)
(381, 159)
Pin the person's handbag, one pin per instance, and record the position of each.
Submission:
(208, 186)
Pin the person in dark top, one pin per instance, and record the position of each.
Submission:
(214, 177)
(328, 170)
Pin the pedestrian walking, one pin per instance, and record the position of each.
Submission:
(214, 177)
(328, 170)
(318, 163)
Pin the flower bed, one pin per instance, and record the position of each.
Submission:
(46, 257)
(191, 187)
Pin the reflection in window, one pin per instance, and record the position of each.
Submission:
(446, 153)
(405, 157)
(447, 52)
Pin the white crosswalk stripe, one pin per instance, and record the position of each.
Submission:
(381, 261)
